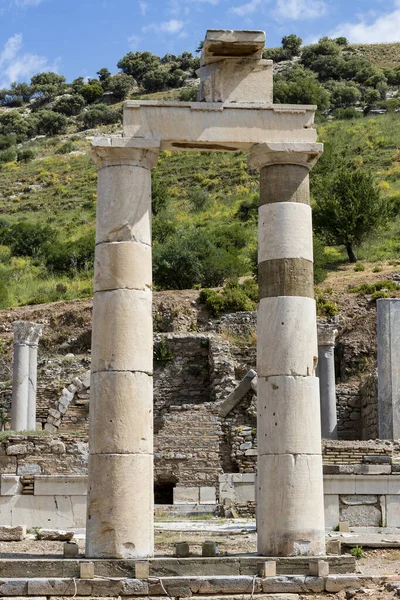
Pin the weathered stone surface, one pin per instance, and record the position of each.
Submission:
(295, 584)
(292, 321)
(123, 339)
(290, 523)
(388, 311)
(122, 265)
(285, 277)
(222, 43)
(122, 405)
(285, 231)
(55, 535)
(336, 583)
(283, 403)
(12, 534)
(10, 485)
(120, 506)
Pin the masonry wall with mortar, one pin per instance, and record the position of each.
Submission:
(369, 407)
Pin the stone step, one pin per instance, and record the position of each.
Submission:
(228, 566)
(184, 587)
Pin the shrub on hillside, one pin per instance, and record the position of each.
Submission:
(233, 298)
(120, 85)
(70, 105)
(26, 155)
(99, 114)
(138, 64)
(296, 85)
(91, 92)
(71, 255)
(156, 80)
(26, 238)
(8, 155)
(49, 122)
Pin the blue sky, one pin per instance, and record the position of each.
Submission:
(78, 37)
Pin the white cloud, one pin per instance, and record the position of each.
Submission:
(384, 28)
(171, 27)
(246, 9)
(143, 7)
(134, 41)
(300, 10)
(18, 66)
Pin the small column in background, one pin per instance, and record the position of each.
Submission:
(389, 368)
(26, 339)
(327, 333)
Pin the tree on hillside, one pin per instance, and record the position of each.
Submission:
(349, 207)
(292, 44)
(138, 64)
(296, 85)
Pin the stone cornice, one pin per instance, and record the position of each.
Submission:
(327, 333)
(287, 153)
(26, 333)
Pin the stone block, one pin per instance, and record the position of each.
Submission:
(244, 492)
(291, 320)
(344, 526)
(29, 469)
(336, 583)
(19, 449)
(393, 484)
(287, 401)
(70, 549)
(333, 547)
(298, 584)
(375, 459)
(10, 485)
(55, 535)
(209, 548)
(120, 505)
(285, 231)
(182, 549)
(331, 505)
(220, 44)
(12, 534)
(236, 80)
(267, 568)
(124, 341)
(142, 570)
(86, 570)
(339, 484)
(131, 408)
(318, 568)
(371, 484)
(392, 510)
(8, 464)
(14, 587)
(60, 485)
(375, 469)
(216, 125)
(208, 495)
(122, 265)
(186, 495)
(58, 512)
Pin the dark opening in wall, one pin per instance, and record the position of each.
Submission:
(164, 492)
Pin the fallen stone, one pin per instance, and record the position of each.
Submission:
(55, 535)
(12, 534)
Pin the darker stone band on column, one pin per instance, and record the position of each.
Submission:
(285, 277)
(280, 184)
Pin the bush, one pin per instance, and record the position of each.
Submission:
(155, 80)
(8, 155)
(370, 288)
(66, 148)
(357, 552)
(326, 308)
(138, 64)
(296, 85)
(99, 114)
(192, 257)
(359, 267)
(188, 94)
(70, 105)
(25, 155)
(26, 238)
(50, 122)
(71, 255)
(233, 298)
(91, 92)
(120, 85)
(347, 113)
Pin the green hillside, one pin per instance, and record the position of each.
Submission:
(383, 56)
(205, 206)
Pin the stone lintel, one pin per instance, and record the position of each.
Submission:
(218, 126)
(227, 43)
(286, 153)
(327, 333)
(27, 333)
(110, 150)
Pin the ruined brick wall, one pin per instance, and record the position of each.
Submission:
(369, 407)
(348, 405)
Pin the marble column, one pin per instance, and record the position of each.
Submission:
(388, 310)
(120, 477)
(327, 383)
(290, 504)
(23, 406)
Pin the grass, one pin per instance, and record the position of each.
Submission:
(384, 56)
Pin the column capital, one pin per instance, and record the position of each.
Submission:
(286, 153)
(327, 333)
(115, 150)
(27, 333)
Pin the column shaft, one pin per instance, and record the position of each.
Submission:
(120, 480)
(20, 387)
(32, 384)
(389, 368)
(327, 389)
(290, 508)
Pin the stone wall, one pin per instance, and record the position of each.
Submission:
(369, 407)
(348, 403)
